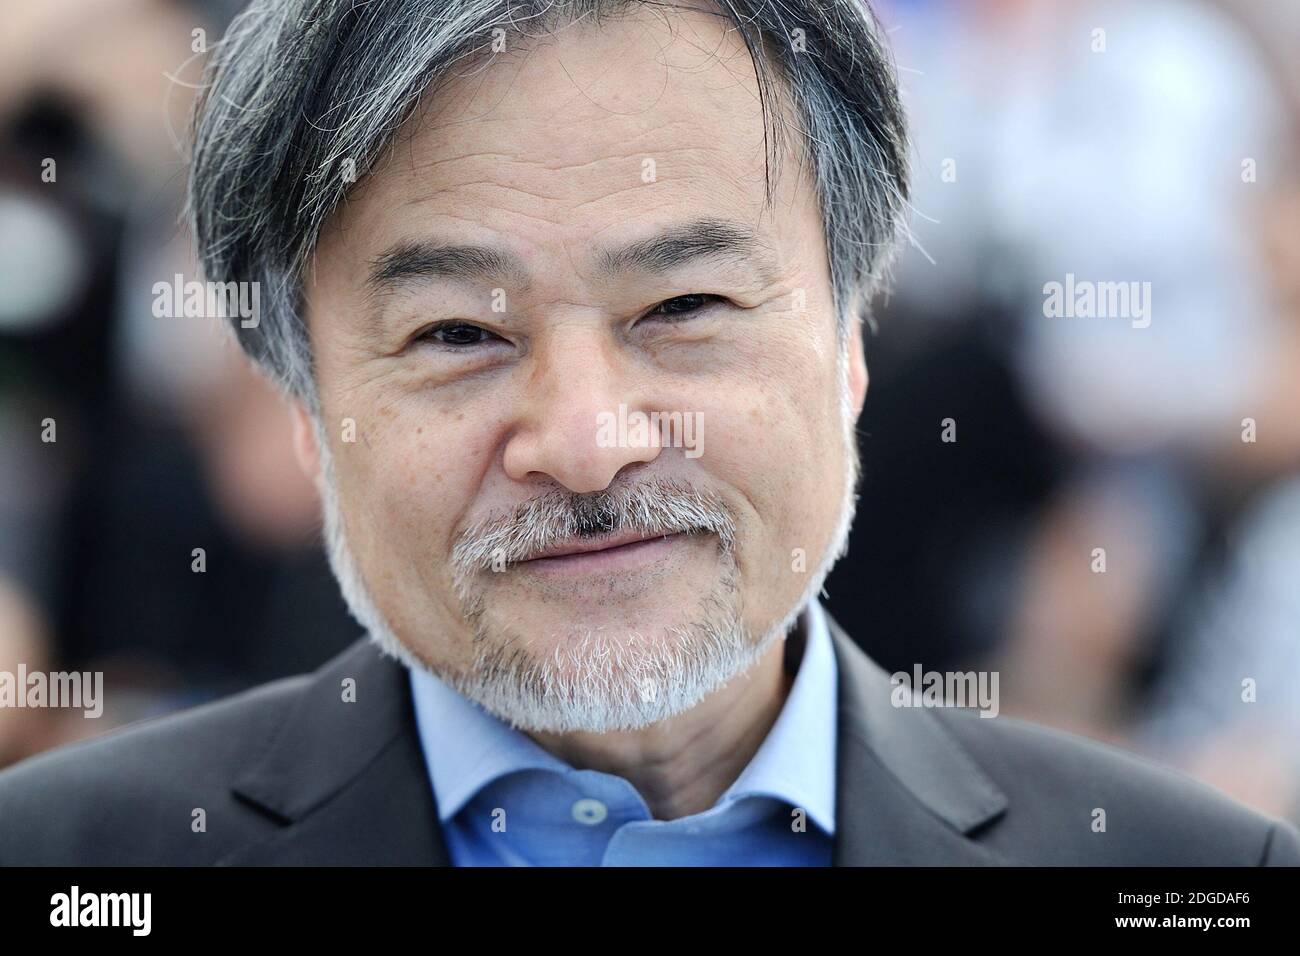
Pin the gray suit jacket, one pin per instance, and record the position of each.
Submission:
(289, 773)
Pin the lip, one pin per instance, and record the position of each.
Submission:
(621, 552)
(590, 545)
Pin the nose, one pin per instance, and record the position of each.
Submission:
(577, 392)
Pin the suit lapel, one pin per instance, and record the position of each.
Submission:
(348, 780)
(906, 792)
(347, 777)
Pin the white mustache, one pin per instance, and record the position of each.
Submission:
(654, 506)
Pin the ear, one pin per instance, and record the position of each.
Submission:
(305, 447)
(858, 377)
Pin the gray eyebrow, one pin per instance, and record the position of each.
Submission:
(415, 259)
(429, 259)
(680, 245)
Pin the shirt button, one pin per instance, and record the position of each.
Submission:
(589, 811)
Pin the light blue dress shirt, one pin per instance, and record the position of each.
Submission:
(505, 801)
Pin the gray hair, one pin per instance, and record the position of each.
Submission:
(298, 88)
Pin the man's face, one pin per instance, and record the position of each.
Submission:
(488, 390)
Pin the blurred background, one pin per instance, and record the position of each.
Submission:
(1115, 528)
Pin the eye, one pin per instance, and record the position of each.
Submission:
(454, 335)
(683, 306)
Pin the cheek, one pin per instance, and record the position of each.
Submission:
(406, 479)
(776, 437)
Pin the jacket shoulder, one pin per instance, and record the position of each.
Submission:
(1076, 801)
(134, 794)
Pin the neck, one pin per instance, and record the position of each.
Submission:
(682, 765)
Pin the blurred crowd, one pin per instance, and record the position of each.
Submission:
(1113, 520)
(154, 524)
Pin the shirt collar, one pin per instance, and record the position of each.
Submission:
(796, 761)
(466, 748)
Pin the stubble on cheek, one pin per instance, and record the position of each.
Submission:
(795, 446)
(396, 510)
